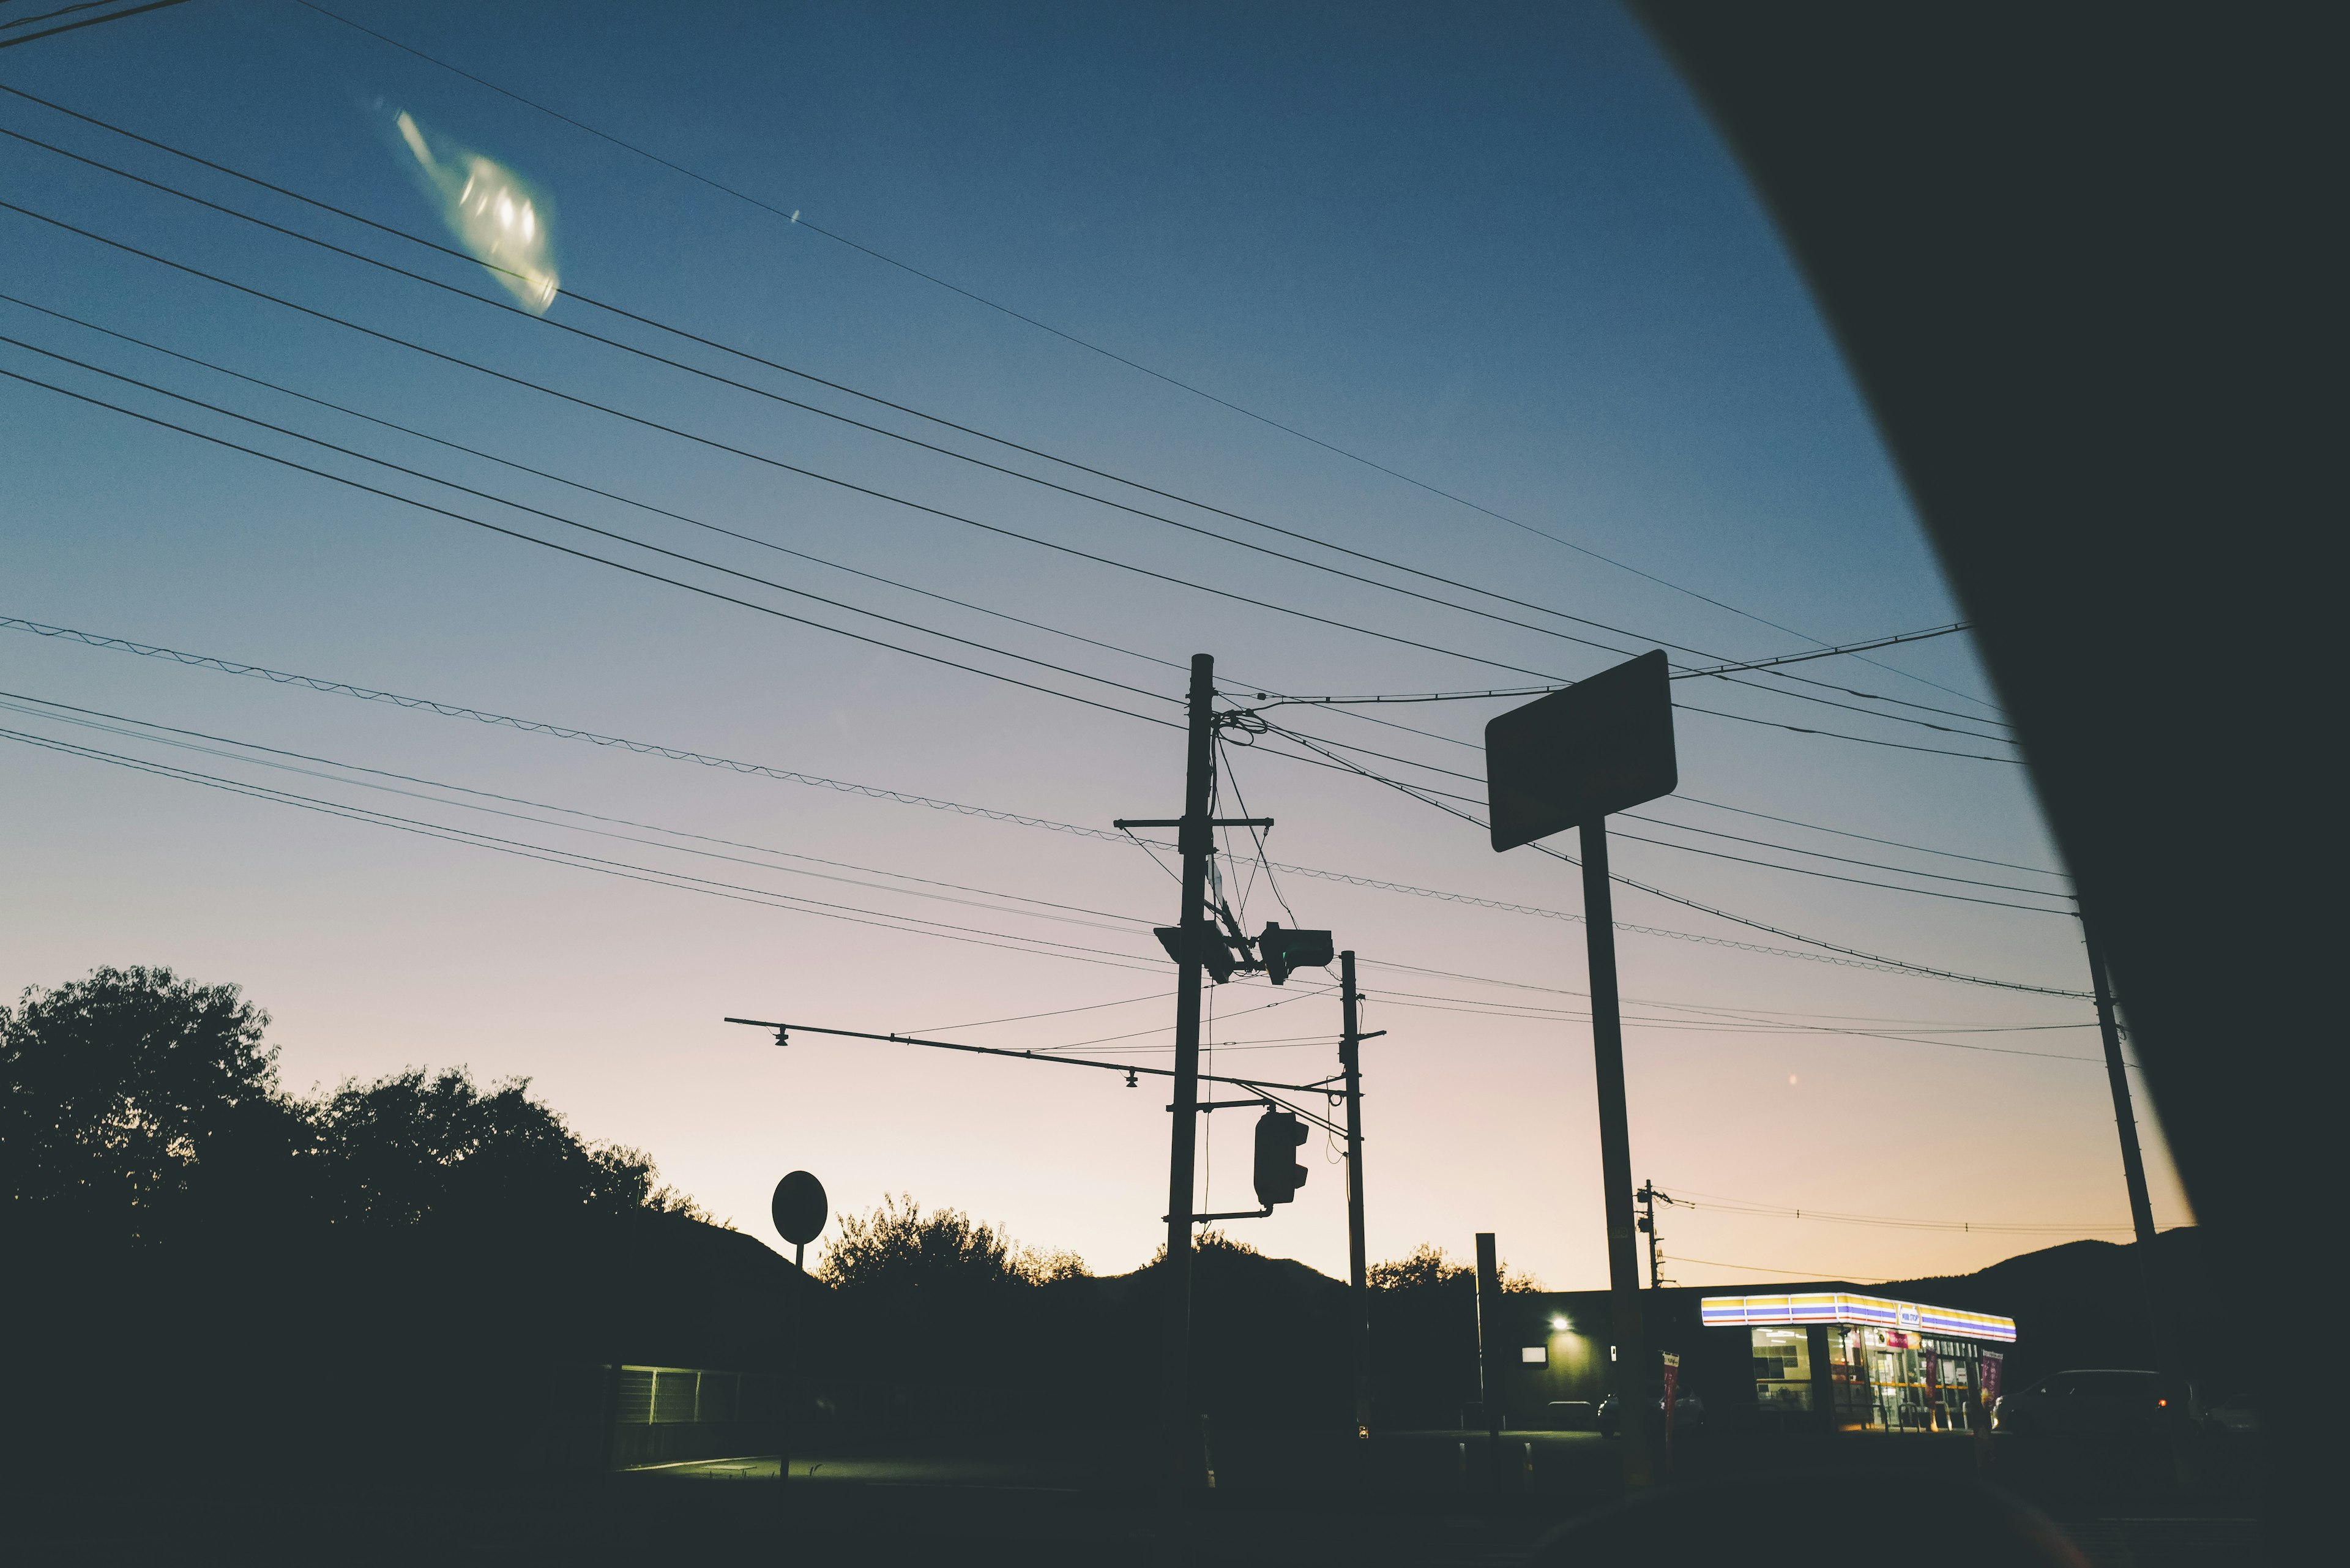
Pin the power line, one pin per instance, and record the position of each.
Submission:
(1055, 1013)
(1840, 958)
(1890, 843)
(1923, 1024)
(796, 220)
(1783, 1211)
(1236, 696)
(85, 22)
(894, 435)
(90, 718)
(1427, 798)
(646, 506)
(768, 582)
(572, 523)
(770, 462)
(46, 708)
(906, 924)
(664, 512)
(1424, 791)
(1791, 1273)
(585, 555)
(1846, 859)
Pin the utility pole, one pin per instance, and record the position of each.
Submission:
(2141, 1207)
(1359, 1278)
(1649, 1197)
(1195, 838)
(1630, 1350)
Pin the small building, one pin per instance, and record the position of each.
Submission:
(1826, 1357)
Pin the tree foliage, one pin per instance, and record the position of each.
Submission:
(898, 1247)
(409, 1148)
(135, 1105)
(133, 1094)
(1427, 1268)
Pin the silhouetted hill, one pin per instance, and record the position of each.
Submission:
(2082, 1304)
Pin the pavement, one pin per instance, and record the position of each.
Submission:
(1429, 1500)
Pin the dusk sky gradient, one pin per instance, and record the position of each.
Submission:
(1498, 249)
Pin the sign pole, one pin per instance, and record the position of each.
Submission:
(1567, 760)
(1629, 1368)
(799, 1210)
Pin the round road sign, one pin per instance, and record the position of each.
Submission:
(799, 1207)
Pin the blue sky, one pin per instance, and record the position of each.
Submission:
(1504, 255)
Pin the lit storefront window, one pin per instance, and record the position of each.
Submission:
(1783, 1369)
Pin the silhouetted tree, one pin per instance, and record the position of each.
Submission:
(1424, 1331)
(135, 1105)
(409, 1150)
(897, 1249)
(132, 1100)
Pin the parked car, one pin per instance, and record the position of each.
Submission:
(2235, 1419)
(2087, 1402)
(1688, 1410)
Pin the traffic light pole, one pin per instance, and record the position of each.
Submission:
(1359, 1278)
(1629, 1371)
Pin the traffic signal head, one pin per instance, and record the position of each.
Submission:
(1278, 1175)
(1283, 951)
(1214, 955)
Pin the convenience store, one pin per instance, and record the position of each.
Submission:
(1857, 1363)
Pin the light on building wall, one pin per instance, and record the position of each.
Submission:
(1559, 1323)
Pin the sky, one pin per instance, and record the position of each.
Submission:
(1473, 294)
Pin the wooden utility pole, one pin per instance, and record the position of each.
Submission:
(1358, 1277)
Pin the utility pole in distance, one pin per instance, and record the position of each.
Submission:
(2166, 1355)
(1359, 1276)
(1195, 934)
(1648, 1197)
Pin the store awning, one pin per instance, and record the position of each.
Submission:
(1838, 1307)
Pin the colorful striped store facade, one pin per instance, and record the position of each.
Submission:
(1862, 1363)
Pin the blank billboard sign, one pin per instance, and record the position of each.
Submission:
(1601, 745)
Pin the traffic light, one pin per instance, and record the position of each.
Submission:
(1279, 1135)
(1285, 950)
(1214, 955)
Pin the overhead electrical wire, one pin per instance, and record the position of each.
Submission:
(1426, 799)
(753, 539)
(795, 219)
(583, 554)
(144, 729)
(1430, 795)
(908, 924)
(1239, 694)
(775, 461)
(1838, 958)
(573, 523)
(1786, 1211)
(1791, 1274)
(519, 467)
(712, 343)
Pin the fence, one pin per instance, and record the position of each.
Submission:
(616, 1417)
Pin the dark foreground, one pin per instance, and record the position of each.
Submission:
(1291, 1498)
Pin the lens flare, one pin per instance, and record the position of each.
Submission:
(492, 213)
